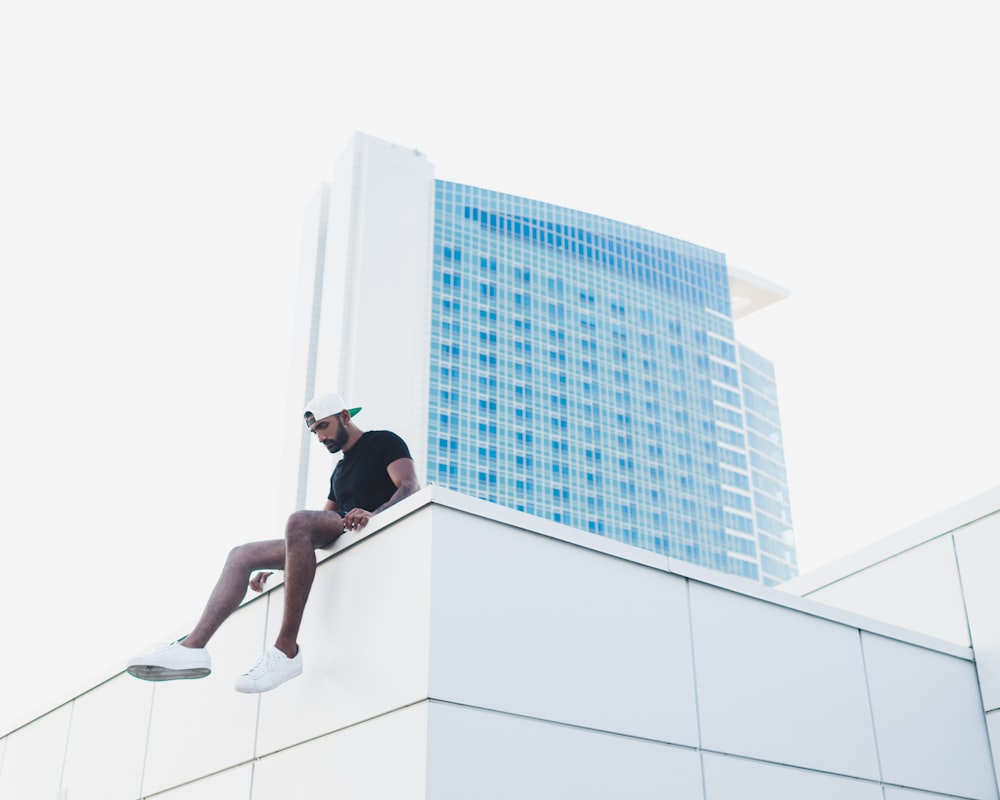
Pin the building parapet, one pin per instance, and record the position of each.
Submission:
(457, 648)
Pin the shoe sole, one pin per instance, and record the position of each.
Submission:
(149, 673)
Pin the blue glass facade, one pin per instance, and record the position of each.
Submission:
(772, 512)
(586, 371)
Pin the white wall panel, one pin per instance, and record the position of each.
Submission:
(364, 637)
(918, 589)
(200, 726)
(107, 741)
(382, 759)
(898, 793)
(728, 778)
(486, 755)
(535, 626)
(33, 757)
(780, 685)
(993, 728)
(233, 784)
(978, 547)
(928, 719)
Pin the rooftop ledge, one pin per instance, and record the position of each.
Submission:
(436, 497)
(538, 526)
(484, 652)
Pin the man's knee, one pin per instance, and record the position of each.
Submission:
(299, 523)
(241, 555)
(302, 527)
(319, 528)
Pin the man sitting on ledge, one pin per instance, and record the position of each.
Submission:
(376, 471)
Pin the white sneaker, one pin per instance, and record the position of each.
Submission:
(272, 669)
(170, 663)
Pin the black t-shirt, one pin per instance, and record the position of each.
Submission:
(360, 479)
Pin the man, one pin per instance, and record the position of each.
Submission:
(376, 471)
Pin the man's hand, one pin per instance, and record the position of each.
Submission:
(257, 581)
(356, 519)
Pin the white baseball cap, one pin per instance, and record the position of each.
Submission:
(326, 405)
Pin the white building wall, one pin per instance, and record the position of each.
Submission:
(380, 342)
(937, 577)
(305, 340)
(369, 228)
(458, 649)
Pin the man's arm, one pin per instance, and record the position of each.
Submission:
(403, 474)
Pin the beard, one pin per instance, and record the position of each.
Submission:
(336, 442)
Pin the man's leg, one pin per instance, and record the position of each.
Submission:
(305, 531)
(190, 659)
(231, 587)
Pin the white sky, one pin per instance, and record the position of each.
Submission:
(157, 161)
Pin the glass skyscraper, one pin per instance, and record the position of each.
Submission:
(572, 366)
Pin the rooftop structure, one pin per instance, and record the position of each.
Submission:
(606, 671)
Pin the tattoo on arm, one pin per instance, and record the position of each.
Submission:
(404, 490)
